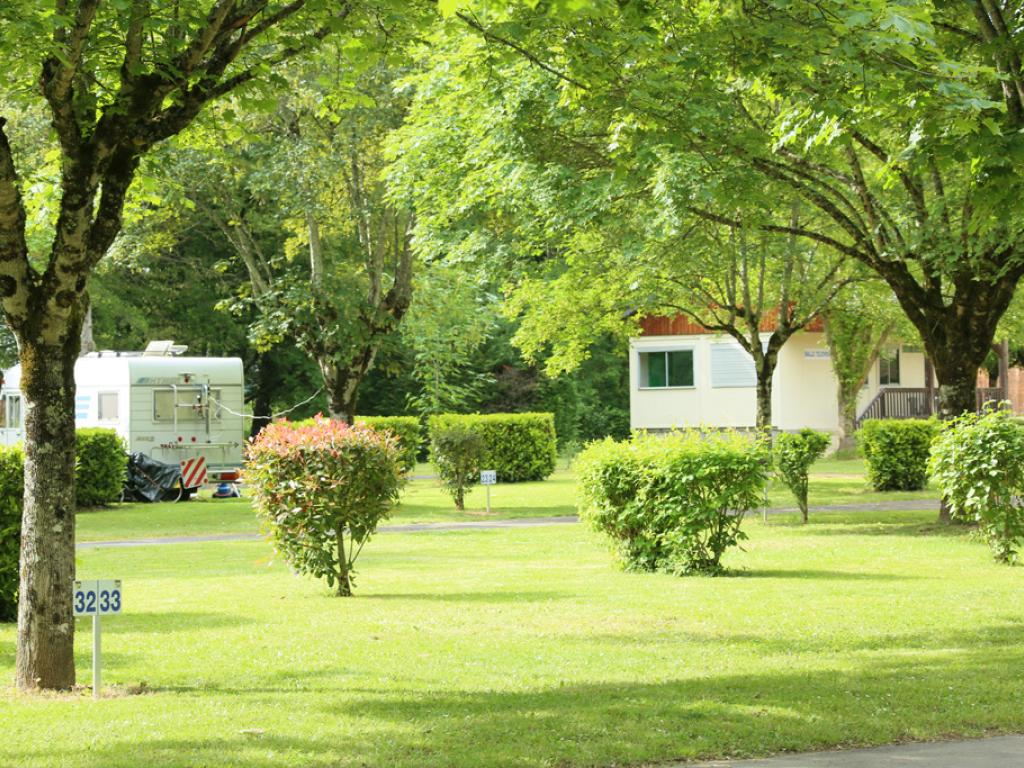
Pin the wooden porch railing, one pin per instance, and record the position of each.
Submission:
(900, 403)
(916, 403)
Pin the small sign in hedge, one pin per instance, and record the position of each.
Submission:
(519, 446)
(320, 489)
(673, 502)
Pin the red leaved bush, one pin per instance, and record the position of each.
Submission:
(321, 488)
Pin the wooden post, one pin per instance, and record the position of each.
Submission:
(929, 385)
(1004, 369)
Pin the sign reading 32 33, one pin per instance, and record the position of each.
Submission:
(101, 596)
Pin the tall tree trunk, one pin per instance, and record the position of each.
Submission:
(342, 382)
(342, 392)
(262, 402)
(847, 418)
(956, 358)
(764, 403)
(45, 621)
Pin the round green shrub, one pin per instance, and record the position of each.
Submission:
(896, 452)
(100, 466)
(518, 446)
(978, 463)
(12, 471)
(794, 453)
(457, 453)
(674, 502)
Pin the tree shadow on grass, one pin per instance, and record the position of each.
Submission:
(957, 684)
(916, 529)
(536, 596)
(819, 574)
(168, 622)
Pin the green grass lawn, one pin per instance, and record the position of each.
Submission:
(833, 482)
(528, 648)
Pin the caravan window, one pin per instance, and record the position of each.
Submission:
(107, 406)
(189, 405)
(672, 368)
(11, 412)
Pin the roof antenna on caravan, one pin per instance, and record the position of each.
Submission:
(164, 349)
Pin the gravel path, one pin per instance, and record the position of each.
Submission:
(999, 752)
(524, 522)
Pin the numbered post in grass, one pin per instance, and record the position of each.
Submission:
(488, 477)
(95, 598)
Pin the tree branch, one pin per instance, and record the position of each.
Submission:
(14, 264)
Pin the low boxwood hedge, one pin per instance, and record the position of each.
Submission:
(896, 452)
(100, 466)
(408, 431)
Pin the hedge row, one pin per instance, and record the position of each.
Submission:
(99, 478)
(12, 466)
(518, 446)
(408, 431)
(100, 467)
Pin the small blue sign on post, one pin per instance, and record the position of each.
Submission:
(96, 598)
(488, 477)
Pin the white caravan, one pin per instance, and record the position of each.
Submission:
(172, 408)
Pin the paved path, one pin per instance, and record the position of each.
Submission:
(1000, 752)
(523, 522)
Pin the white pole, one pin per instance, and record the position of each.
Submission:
(96, 655)
(488, 499)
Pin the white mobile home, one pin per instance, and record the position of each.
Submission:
(171, 408)
(682, 375)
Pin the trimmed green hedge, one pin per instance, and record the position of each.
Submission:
(519, 446)
(12, 471)
(896, 452)
(100, 466)
(408, 431)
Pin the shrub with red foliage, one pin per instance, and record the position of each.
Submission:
(321, 488)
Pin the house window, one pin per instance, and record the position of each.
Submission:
(671, 368)
(107, 406)
(889, 368)
(12, 412)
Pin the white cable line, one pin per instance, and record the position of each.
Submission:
(272, 416)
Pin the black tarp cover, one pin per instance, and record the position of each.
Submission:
(151, 480)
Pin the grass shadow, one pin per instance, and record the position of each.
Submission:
(167, 622)
(900, 688)
(535, 596)
(820, 574)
